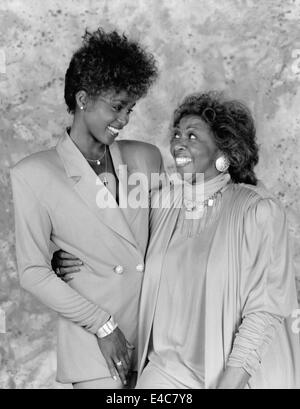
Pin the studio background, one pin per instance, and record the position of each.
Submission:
(248, 48)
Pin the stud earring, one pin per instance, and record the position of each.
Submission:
(81, 108)
(222, 164)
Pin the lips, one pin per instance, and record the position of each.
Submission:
(113, 131)
(181, 156)
(182, 161)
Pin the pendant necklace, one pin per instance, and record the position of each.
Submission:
(98, 162)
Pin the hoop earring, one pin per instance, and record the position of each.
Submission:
(222, 164)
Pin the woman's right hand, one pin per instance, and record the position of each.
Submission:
(117, 353)
(64, 264)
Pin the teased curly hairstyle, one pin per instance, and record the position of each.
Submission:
(108, 61)
(233, 128)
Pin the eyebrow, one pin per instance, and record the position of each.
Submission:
(191, 127)
(197, 128)
(122, 102)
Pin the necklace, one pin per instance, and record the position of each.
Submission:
(195, 205)
(98, 161)
(196, 201)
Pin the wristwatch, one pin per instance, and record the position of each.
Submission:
(107, 328)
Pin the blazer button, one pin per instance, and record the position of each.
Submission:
(119, 269)
(140, 268)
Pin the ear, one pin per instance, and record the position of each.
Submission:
(81, 99)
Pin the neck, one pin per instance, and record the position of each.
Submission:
(85, 142)
(207, 188)
(206, 177)
(211, 176)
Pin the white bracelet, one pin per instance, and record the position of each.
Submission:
(107, 328)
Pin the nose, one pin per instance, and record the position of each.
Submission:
(180, 147)
(123, 118)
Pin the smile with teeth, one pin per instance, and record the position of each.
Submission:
(113, 131)
(182, 160)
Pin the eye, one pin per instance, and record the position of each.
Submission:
(129, 111)
(117, 107)
(176, 136)
(192, 136)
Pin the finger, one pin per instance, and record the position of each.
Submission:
(69, 263)
(68, 270)
(120, 370)
(124, 355)
(126, 363)
(62, 272)
(129, 345)
(66, 256)
(126, 358)
(67, 279)
(112, 370)
(131, 379)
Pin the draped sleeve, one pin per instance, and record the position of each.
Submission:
(255, 335)
(267, 282)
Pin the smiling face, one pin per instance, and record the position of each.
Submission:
(105, 116)
(193, 147)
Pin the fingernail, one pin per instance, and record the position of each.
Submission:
(125, 382)
(115, 378)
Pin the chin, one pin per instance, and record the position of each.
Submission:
(185, 169)
(105, 139)
(109, 141)
(185, 173)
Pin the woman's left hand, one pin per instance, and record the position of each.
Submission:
(65, 264)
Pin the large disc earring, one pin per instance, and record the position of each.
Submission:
(222, 164)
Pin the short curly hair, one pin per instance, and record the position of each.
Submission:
(108, 61)
(233, 128)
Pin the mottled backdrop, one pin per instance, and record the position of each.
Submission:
(249, 48)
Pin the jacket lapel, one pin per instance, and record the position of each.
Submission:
(131, 214)
(91, 189)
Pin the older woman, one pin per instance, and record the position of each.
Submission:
(58, 199)
(218, 287)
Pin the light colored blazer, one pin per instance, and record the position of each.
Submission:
(55, 202)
